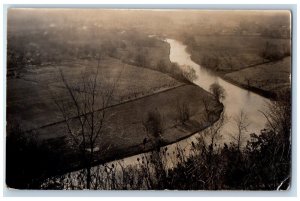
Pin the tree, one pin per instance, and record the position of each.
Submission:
(269, 154)
(16, 62)
(189, 40)
(154, 127)
(162, 66)
(218, 91)
(272, 51)
(214, 132)
(84, 110)
(190, 74)
(211, 61)
(140, 59)
(208, 149)
(242, 123)
(183, 112)
(278, 113)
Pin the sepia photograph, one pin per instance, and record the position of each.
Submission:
(148, 99)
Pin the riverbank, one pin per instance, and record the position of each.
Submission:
(239, 61)
(126, 134)
(261, 92)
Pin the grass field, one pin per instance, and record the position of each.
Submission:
(125, 131)
(30, 101)
(138, 91)
(235, 53)
(270, 77)
(240, 60)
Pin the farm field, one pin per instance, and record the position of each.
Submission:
(235, 53)
(125, 132)
(228, 56)
(138, 91)
(271, 77)
(31, 101)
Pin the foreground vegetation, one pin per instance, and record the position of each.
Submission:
(264, 163)
(123, 133)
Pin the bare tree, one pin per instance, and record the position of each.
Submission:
(278, 115)
(84, 110)
(208, 149)
(154, 126)
(270, 151)
(213, 132)
(242, 123)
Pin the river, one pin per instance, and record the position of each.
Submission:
(236, 99)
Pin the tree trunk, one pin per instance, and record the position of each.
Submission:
(88, 178)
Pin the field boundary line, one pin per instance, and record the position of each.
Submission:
(111, 106)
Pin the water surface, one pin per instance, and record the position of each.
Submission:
(236, 98)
